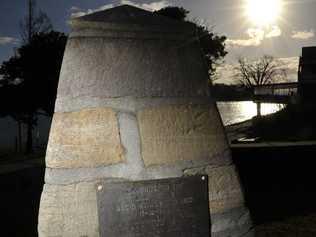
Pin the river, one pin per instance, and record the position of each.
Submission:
(238, 111)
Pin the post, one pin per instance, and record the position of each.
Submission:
(258, 109)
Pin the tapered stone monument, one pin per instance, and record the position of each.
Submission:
(133, 105)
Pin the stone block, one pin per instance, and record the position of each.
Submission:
(171, 134)
(96, 67)
(235, 222)
(68, 211)
(225, 191)
(86, 138)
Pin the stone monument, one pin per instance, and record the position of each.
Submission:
(133, 105)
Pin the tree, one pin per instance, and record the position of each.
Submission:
(34, 67)
(30, 79)
(212, 45)
(262, 71)
(34, 23)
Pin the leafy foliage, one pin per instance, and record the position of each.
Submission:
(176, 13)
(36, 22)
(32, 75)
(212, 45)
(30, 79)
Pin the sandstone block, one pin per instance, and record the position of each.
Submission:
(225, 190)
(171, 134)
(68, 211)
(87, 138)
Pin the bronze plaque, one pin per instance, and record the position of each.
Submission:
(175, 207)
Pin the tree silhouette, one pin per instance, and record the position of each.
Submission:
(212, 45)
(262, 71)
(30, 79)
(32, 74)
(34, 23)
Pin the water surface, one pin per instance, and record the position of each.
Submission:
(238, 111)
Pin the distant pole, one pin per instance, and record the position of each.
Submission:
(30, 20)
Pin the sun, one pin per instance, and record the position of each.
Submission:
(263, 12)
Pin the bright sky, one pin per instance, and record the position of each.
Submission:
(254, 27)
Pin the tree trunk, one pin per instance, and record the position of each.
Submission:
(29, 138)
(258, 109)
(19, 142)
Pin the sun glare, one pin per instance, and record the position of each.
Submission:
(263, 12)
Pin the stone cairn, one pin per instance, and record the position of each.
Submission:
(133, 104)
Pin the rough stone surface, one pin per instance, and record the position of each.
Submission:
(133, 104)
(235, 222)
(68, 211)
(180, 133)
(239, 231)
(128, 104)
(225, 192)
(224, 188)
(86, 138)
(109, 68)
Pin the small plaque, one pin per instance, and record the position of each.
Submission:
(175, 207)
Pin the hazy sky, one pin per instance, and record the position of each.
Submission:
(292, 27)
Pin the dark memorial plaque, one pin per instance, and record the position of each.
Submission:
(175, 207)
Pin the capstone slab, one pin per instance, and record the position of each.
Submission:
(86, 138)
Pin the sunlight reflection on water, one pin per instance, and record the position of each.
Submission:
(238, 111)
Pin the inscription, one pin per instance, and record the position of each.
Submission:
(166, 207)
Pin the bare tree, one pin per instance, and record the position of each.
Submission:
(262, 71)
(34, 23)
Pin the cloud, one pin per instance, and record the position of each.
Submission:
(75, 9)
(255, 37)
(78, 12)
(274, 32)
(8, 40)
(153, 6)
(291, 65)
(226, 73)
(303, 35)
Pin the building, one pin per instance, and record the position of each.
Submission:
(307, 74)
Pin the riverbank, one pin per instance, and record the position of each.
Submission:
(292, 124)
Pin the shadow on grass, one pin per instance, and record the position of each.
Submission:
(19, 202)
(278, 182)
